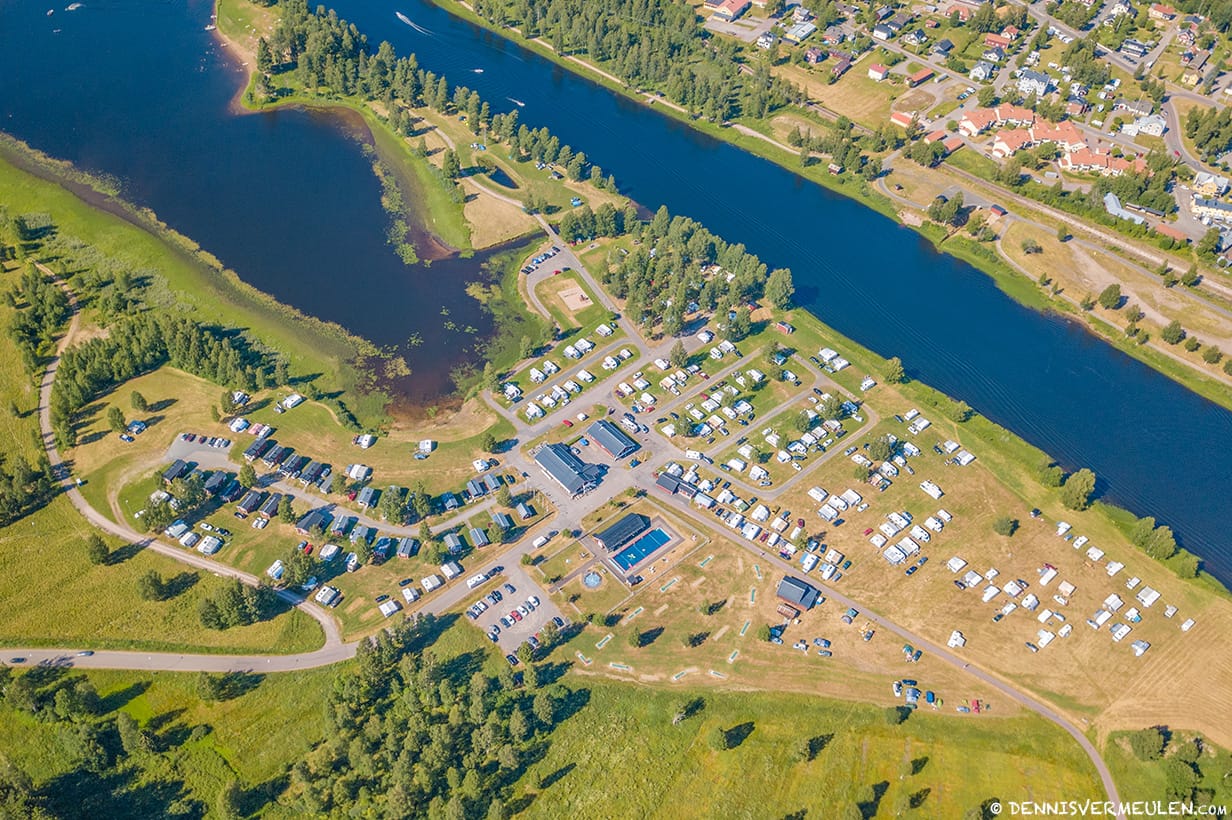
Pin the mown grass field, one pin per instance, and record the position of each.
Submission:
(621, 757)
(51, 595)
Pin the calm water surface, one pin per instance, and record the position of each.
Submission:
(152, 108)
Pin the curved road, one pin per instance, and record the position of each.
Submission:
(335, 650)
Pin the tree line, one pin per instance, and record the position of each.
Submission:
(657, 45)
(671, 268)
(412, 735)
(140, 344)
(329, 56)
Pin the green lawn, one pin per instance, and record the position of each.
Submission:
(621, 757)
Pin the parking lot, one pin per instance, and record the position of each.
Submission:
(535, 619)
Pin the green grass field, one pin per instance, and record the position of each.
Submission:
(621, 757)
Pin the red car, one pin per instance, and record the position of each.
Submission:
(556, 273)
(567, 423)
(517, 616)
(868, 531)
(764, 536)
(351, 495)
(308, 549)
(800, 523)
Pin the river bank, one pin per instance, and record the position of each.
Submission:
(196, 281)
(1209, 385)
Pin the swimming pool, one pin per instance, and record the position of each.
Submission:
(637, 552)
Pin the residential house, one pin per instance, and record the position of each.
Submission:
(882, 32)
(1196, 70)
(814, 56)
(1033, 83)
(841, 64)
(1010, 140)
(1085, 160)
(1066, 135)
(1159, 11)
(915, 38)
(1151, 126)
(977, 121)
(1139, 108)
(903, 119)
(921, 76)
(1209, 185)
(983, 71)
(995, 55)
(997, 41)
(942, 48)
(1204, 208)
(878, 72)
(799, 33)
(765, 40)
(731, 9)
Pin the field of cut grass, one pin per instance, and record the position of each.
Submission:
(622, 757)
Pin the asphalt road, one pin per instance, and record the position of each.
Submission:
(335, 650)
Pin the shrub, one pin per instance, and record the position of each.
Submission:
(1005, 525)
(1076, 492)
(1110, 297)
(1173, 333)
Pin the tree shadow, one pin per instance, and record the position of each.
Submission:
(90, 438)
(120, 697)
(868, 808)
(113, 793)
(121, 554)
(459, 668)
(817, 744)
(181, 583)
(649, 636)
(157, 418)
(798, 814)
(550, 673)
(236, 684)
(571, 704)
(736, 735)
(161, 405)
(918, 798)
(918, 764)
(556, 776)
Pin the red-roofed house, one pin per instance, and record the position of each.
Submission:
(1076, 108)
(814, 56)
(1084, 159)
(920, 76)
(935, 136)
(953, 143)
(996, 41)
(878, 72)
(903, 119)
(964, 13)
(731, 9)
(977, 121)
(1164, 229)
(1014, 115)
(1161, 12)
(1010, 32)
(1066, 135)
(1011, 140)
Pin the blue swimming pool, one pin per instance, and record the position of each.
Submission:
(637, 552)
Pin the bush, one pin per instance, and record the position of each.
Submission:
(763, 633)
(1147, 744)
(1173, 333)
(1110, 297)
(1212, 355)
(1005, 525)
(1030, 246)
(1192, 344)
(96, 549)
(1050, 475)
(717, 739)
(1076, 492)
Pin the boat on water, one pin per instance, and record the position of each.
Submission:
(50, 12)
(411, 23)
(73, 6)
(518, 103)
(210, 27)
(477, 70)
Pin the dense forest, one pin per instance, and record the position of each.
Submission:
(406, 732)
(328, 56)
(1211, 131)
(656, 45)
(673, 268)
(410, 734)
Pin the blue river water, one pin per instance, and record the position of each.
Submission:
(153, 110)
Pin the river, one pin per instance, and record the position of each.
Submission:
(140, 91)
(1154, 444)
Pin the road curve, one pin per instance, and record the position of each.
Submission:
(333, 638)
(335, 650)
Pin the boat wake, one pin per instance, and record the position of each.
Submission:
(518, 103)
(412, 23)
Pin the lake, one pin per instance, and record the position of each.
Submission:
(1154, 444)
(141, 91)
